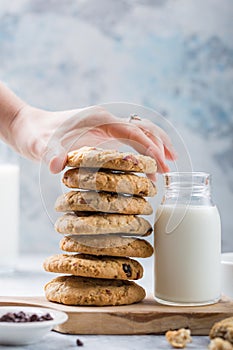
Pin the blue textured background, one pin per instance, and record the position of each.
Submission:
(172, 56)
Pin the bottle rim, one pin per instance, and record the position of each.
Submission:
(195, 181)
(187, 173)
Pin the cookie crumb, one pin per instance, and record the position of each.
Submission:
(79, 342)
(179, 338)
(220, 344)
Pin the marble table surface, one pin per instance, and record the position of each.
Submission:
(28, 280)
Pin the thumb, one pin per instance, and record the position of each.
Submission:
(57, 163)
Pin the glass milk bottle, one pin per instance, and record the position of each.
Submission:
(187, 242)
(9, 209)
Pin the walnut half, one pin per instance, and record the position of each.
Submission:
(179, 338)
(220, 344)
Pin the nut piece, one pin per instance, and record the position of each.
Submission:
(220, 344)
(179, 339)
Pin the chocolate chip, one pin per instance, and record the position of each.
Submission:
(127, 269)
(34, 318)
(23, 317)
(9, 317)
(79, 342)
(20, 314)
(47, 317)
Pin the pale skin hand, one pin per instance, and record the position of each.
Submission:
(42, 135)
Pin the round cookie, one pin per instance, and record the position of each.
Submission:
(89, 179)
(92, 157)
(102, 202)
(98, 224)
(107, 245)
(97, 267)
(73, 290)
(223, 329)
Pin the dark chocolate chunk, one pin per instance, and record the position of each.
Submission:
(127, 269)
(79, 342)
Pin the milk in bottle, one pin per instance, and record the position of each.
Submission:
(187, 242)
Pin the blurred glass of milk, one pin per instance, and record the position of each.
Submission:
(9, 209)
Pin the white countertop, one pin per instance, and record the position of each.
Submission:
(29, 279)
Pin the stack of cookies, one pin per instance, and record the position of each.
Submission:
(99, 226)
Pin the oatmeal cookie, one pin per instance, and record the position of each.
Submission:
(92, 157)
(223, 329)
(98, 224)
(102, 202)
(92, 266)
(73, 290)
(107, 245)
(118, 182)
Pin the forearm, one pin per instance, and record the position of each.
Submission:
(10, 105)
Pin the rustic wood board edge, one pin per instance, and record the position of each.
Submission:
(147, 317)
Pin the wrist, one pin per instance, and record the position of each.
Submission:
(17, 126)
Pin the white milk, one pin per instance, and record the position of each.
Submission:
(187, 260)
(9, 213)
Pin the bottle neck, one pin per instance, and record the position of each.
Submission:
(187, 188)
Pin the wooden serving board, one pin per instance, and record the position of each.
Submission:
(147, 317)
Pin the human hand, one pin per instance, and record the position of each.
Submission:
(49, 136)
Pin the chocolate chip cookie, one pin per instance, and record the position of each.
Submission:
(223, 329)
(102, 202)
(92, 157)
(98, 224)
(97, 267)
(107, 245)
(73, 290)
(118, 182)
